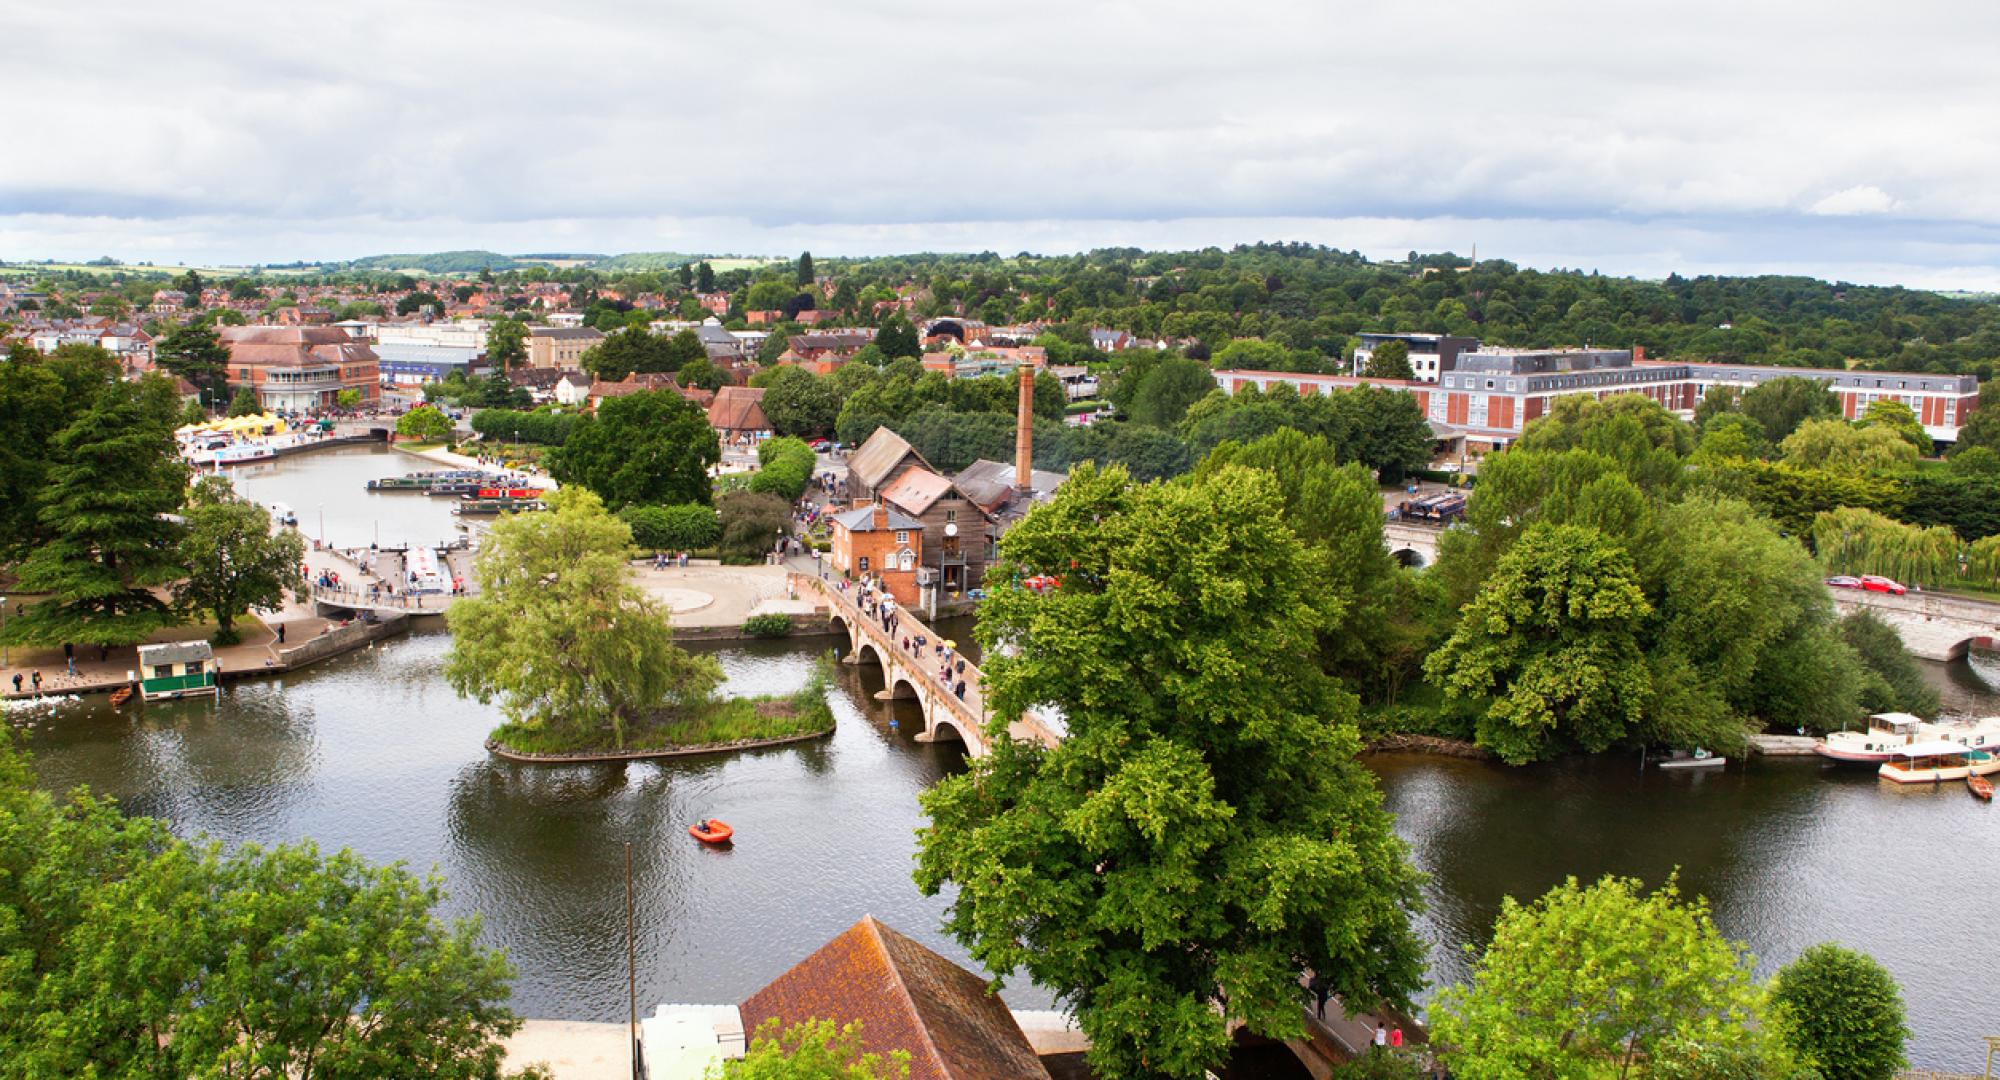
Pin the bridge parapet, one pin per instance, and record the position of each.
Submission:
(902, 667)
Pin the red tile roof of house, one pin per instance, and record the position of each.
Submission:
(906, 997)
(916, 490)
(738, 408)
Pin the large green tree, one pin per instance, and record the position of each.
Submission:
(1168, 388)
(1554, 639)
(506, 344)
(1838, 446)
(1203, 835)
(561, 638)
(234, 562)
(798, 402)
(114, 478)
(38, 396)
(195, 352)
(898, 338)
(1844, 1013)
(1782, 404)
(424, 423)
(132, 953)
(650, 447)
(1390, 360)
(1604, 981)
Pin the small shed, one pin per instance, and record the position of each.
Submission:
(177, 669)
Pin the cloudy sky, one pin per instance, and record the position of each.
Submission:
(1835, 138)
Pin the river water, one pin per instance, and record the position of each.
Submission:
(372, 751)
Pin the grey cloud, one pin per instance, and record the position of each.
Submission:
(940, 124)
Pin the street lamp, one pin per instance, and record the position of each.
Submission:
(6, 654)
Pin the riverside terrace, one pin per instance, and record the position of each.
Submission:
(1492, 394)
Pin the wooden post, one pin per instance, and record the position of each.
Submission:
(631, 965)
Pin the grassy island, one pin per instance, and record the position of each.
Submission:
(583, 663)
(719, 724)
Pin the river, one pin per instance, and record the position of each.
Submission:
(372, 751)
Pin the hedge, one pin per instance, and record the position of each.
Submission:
(685, 527)
(510, 425)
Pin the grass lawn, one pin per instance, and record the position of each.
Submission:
(720, 723)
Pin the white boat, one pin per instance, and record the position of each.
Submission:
(243, 453)
(1700, 759)
(1934, 761)
(1888, 733)
(283, 514)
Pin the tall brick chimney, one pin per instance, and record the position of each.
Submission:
(1024, 433)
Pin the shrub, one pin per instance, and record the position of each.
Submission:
(684, 527)
(785, 467)
(1844, 1013)
(751, 525)
(541, 427)
(771, 624)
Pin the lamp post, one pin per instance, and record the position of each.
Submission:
(6, 653)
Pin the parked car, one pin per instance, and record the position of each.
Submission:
(1874, 583)
(1843, 581)
(821, 445)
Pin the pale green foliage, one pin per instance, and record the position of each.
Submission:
(1203, 833)
(425, 424)
(1598, 982)
(234, 561)
(812, 1050)
(1554, 636)
(1838, 446)
(245, 403)
(1855, 541)
(560, 636)
(1844, 1013)
(1899, 418)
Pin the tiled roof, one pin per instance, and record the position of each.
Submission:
(874, 459)
(906, 997)
(916, 490)
(738, 408)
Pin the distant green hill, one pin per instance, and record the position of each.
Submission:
(645, 260)
(440, 262)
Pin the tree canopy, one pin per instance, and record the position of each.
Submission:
(113, 477)
(234, 561)
(1203, 833)
(559, 635)
(1586, 982)
(651, 447)
(1844, 1013)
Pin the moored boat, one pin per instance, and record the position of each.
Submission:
(1981, 788)
(424, 481)
(243, 453)
(1889, 733)
(711, 831)
(120, 696)
(1935, 761)
(496, 504)
(1700, 759)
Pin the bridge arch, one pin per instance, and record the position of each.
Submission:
(901, 687)
(867, 652)
(941, 725)
(846, 630)
(1410, 557)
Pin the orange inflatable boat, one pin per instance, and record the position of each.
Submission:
(711, 831)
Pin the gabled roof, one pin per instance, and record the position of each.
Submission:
(906, 997)
(862, 519)
(916, 490)
(873, 461)
(738, 408)
(990, 484)
(175, 652)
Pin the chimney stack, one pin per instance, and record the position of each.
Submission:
(1024, 433)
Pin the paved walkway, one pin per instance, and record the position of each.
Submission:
(706, 593)
(572, 1050)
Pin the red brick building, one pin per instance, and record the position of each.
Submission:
(301, 368)
(880, 541)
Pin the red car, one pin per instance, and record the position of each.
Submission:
(1873, 583)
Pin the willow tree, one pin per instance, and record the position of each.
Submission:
(1203, 835)
(559, 635)
(1851, 540)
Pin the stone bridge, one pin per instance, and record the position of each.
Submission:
(906, 675)
(1412, 544)
(1933, 626)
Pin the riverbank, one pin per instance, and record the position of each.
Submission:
(260, 654)
(720, 726)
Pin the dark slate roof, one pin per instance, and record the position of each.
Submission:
(905, 997)
(990, 484)
(862, 519)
